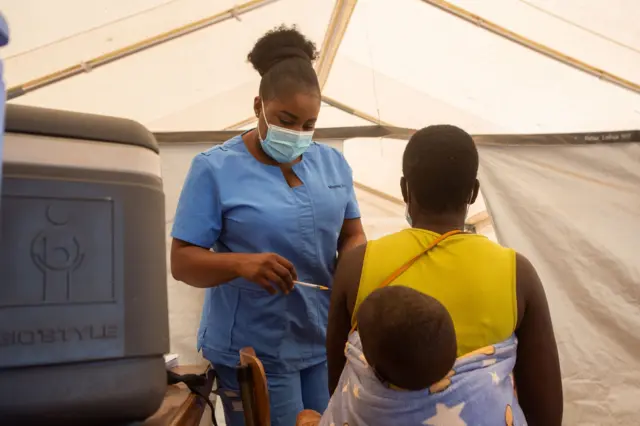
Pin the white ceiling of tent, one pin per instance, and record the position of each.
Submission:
(428, 65)
(602, 33)
(199, 81)
(405, 61)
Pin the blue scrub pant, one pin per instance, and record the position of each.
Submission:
(289, 393)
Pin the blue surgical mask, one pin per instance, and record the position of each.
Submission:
(408, 216)
(406, 211)
(284, 145)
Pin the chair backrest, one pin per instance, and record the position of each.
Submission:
(260, 410)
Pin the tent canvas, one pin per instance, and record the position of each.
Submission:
(394, 65)
(572, 209)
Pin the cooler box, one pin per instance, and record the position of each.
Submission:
(83, 295)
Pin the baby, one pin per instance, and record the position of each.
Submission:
(408, 343)
(407, 337)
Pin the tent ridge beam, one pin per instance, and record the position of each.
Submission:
(321, 134)
(532, 45)
(115, 55)
(340, 19)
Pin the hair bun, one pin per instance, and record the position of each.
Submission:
(280, 44)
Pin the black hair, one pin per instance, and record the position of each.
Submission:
(407, 337)
(284, 59)
(440, 165)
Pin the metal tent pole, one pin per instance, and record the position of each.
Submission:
(340, 18)
(360, 114)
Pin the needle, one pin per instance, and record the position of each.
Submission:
(316, 286)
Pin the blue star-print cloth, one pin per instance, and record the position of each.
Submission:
(479, 391)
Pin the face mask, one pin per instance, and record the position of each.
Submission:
(284, 145)
(469, 203)
(407, 216)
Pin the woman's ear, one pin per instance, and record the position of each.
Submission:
(475, 193)
(403, 188)
(257, 106)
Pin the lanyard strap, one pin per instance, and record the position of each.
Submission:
(401, 270)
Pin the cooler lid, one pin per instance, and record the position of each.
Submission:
(75, 125)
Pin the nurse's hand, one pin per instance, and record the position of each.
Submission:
(269, 271)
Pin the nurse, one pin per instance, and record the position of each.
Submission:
(275, 207)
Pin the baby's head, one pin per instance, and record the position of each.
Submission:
(407, 337)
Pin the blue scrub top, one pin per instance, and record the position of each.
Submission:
(233, 203)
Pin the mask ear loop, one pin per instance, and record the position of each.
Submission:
(406, 212)
(469, 203)
(265, 120)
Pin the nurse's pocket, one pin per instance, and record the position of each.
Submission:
(220, 311)
(260, 321)
(330, 206)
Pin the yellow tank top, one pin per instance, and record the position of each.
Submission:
(473, 277)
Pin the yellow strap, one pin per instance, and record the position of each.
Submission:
(401, 270)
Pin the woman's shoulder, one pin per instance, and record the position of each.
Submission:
(483, 245)
(328, 156)
(326, 150)
(217, 155)
(230, 147)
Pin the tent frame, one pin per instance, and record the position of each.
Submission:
(401, 133)
(337, 27)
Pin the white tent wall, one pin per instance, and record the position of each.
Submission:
(573, 211)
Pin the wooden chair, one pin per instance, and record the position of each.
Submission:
(253, 389)
(180, 406)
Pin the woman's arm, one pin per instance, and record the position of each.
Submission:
(202, 268)
(343, 299)
(351, 235)
(537, 371)
(196, 227)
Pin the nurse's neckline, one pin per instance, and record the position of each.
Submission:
(252, 145)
